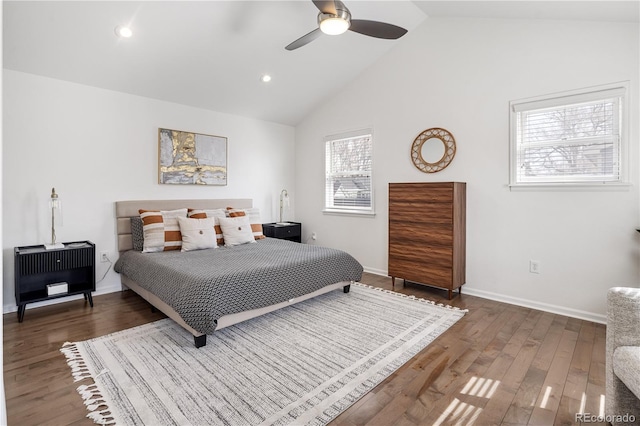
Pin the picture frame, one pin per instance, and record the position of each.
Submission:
(189, 158)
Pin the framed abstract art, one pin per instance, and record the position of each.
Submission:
(191, 158)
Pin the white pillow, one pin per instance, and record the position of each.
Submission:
(197, 234)
(236, 230)
(215, 214)
(254, 219)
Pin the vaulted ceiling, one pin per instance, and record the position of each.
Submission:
(211, 54)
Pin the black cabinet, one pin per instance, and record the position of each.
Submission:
(42, 274)
(291, 231)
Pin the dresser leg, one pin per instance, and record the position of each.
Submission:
(89, 298)
(393, 282)
(450, 294)
(21, 309)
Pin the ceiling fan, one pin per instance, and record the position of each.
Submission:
(334, 18)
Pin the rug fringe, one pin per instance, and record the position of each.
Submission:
(418, 299)
(79, 369)
(101, 418)
(91, 394)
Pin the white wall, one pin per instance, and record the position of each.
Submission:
(3, 402)
(97, 146)
(460, 74)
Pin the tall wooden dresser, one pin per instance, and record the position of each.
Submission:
(427, 233)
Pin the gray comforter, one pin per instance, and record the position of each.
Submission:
(205, 285)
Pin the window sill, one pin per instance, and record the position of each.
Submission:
(573, 186)
(340, 212)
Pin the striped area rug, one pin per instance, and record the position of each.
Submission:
(301, 365)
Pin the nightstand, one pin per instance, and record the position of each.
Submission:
(42, 274)
(291, 231)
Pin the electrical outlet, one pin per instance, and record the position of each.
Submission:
(104, 256)
(314, 236)
(534, 266)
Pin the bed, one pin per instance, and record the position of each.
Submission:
(206, 290)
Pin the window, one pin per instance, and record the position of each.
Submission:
(348, 160)
(570, 138)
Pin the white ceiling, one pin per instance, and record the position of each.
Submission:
(589, 10)
(211, 54)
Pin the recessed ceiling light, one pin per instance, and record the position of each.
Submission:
(265, 78)
(122, 31)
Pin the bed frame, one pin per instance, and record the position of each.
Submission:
(127, 209)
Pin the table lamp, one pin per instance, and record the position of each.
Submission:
(284, 200)
(56, 215)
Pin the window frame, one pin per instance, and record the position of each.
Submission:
(620, 89)
(349, 210)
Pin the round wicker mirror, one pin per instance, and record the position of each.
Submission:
(426, 153)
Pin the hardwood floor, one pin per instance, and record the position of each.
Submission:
(500, 364)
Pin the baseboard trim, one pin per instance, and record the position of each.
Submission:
(7, 309)
(375, 271)
(546, 307)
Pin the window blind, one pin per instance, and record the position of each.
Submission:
(348, 173)
(573, 139)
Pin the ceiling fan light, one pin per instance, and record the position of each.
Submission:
(122, 31)
(334, 26)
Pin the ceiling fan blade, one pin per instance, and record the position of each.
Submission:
(326, 6)
(307, 38)
(377, 29)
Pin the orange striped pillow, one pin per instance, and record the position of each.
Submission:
(254, 219)
(215, 214)
(161, 230)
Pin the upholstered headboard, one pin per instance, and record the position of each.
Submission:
(126, 209)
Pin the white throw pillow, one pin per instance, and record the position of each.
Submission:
(197, 234)
(254, 219)
(236, 230)
(215, 214)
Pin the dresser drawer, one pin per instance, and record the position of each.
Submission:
(423, 256)
(417, 212)
(416, 272)
(56, 260)
(436, 193)
(292, 231)
(409, 233)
